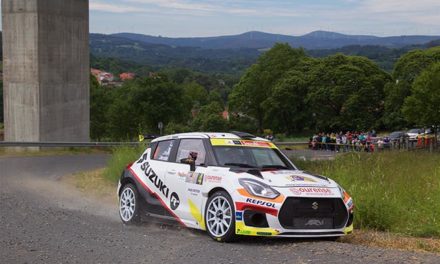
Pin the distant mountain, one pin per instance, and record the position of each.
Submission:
(231, 60)
(159, 55)
(384, 56)
(261, 40)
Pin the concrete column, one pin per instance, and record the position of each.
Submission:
(46, 70)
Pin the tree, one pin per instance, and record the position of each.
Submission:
(195, 94)
(139, 106)
(406, 70)
(100, 101)
(347, 93)
(423, 106)
(210, 119)
(286, 109)
(256, 85)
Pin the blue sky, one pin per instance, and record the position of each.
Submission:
(184, 18)
(187, 18)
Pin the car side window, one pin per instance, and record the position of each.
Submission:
(163, 150)
(188, 146)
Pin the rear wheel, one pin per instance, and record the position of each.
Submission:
(129, 205)
(220, 217)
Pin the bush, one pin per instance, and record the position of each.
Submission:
(121, 157)
(396, 192)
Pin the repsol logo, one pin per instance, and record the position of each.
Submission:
(258, 202)
(152, 176)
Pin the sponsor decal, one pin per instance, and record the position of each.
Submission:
(239, 216)
(195, 212)
(152, 176)
(193, 177)
(268, 210)
(213, 179)
(250, 143)
(311, 191)
(143, 158)
(258, 202)
(194, 192)
(315, 222)
(146, 187)
(298, 178)
(246, 143)
(174, 201)
(315, 206)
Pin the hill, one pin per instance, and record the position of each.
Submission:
(160, 55)
(262, 40)
(232, 60)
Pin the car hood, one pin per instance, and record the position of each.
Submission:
(296, 178)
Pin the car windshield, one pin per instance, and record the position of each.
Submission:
(248, 157)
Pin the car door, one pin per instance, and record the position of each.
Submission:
(159, 162)
(187, 185)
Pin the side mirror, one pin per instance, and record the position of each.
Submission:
(191, 162)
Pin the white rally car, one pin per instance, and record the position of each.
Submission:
(231, 184)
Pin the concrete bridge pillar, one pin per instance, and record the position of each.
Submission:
(46, 70)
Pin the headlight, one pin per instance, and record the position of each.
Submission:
(259, 189)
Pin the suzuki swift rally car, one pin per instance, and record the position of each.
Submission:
(231, 184)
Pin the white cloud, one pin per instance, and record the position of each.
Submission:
(112, 8)
(176, 4)
(401, 6)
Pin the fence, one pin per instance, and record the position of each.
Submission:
(374, 146)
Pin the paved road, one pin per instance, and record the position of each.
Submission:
(43, 221)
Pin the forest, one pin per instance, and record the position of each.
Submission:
(285, 91)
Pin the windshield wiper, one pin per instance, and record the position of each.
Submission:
(281, 167)
(242, 165)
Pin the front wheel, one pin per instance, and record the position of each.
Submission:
(220, 217)
(129, 205)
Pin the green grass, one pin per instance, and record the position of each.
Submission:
(394, 191)
(121, 157)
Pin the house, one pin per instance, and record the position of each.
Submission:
(102, 76)
(126, 76)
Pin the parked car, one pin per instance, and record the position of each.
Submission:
(397, 136)
(414, 133)
(231, 184)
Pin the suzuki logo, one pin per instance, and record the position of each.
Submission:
(315, 206)
(314, 222)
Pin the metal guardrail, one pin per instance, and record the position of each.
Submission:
(67, 144)
(100, 144)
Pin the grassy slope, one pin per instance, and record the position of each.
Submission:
(120, 159)
(396, 192)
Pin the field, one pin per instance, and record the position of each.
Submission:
(397, 192)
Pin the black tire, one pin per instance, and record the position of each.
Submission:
(228, 234)
(127, 217)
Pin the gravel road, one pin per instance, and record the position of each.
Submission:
(44, 221)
